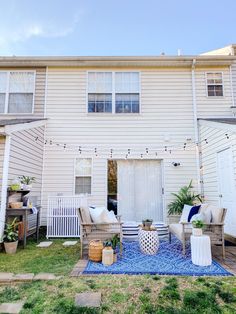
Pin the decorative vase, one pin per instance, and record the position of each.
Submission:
(11, 247)
(107, 256)
(95, 250)
(197, 232)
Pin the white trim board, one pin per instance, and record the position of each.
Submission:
(9, 129)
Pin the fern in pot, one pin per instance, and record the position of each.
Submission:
(185, 196)
(10, 237)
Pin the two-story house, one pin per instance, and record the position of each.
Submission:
(123, 130)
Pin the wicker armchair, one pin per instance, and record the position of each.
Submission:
(215, 230)
(91, 231)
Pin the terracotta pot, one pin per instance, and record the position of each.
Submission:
(11, 247)
(197, 232)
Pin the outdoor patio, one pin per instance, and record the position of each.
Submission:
(165, 263)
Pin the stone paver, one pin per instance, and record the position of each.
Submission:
(79, 268)
(11, 308)
(4, 277)
(44, 244)
(88, 299)
(23, 277)
(69, 243)
(45, 276)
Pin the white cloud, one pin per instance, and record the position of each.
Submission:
(10, 37)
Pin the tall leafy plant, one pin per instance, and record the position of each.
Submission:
(184, 196)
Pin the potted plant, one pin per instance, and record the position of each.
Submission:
(115, 240)
(15, 185)
(10, 237)
(185, 196)
(197, 228)
(147, 224)
(26, 182)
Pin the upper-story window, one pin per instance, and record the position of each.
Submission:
(83, 176)
(214, 84)
(17, 91)
(116, 92)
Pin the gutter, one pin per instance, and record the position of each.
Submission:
(196, 129)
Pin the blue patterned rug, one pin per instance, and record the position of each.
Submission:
(168, 261)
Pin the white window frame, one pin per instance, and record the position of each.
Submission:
(222, 77)
(7, 92)
(74, 185)
(114, 94)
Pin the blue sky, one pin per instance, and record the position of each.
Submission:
(108, 27)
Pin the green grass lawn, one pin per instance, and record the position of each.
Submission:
(120, 294)
(128, 294)
(55, 259)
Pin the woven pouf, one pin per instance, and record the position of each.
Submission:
(148, 241)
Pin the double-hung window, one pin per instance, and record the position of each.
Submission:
(17, 91)
(214, 81)
(113, 92)
(127, 92)
(99, 92)
(83, 176)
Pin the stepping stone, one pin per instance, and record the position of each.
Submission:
(69, 243)
(44, 244)
(45, 276)
(11, 308)
(87, 299)
(23, 277)
(6, 277)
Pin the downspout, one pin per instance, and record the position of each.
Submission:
(4, 184)
(196, 130)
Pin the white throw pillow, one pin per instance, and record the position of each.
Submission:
(200, 216)
(112, 216)
(206, 210)
(185, 213)
(95, 213)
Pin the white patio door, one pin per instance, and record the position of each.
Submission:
(139, 190)
(226, 185)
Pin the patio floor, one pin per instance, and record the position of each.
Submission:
(229, 263)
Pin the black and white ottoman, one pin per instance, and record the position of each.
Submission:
(162, 229)
(130, 231)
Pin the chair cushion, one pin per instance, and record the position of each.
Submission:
(177, 230)
(112, 216)
(216, 213)
(185, 213)
(206, 210)
(98, 214)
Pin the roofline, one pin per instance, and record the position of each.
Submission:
(217, 125)
(21, 126)
(87, 61)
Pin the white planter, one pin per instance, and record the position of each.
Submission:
(197, 232)
(27, 187)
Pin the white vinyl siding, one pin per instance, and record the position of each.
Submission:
(26, 157)
(216, 141)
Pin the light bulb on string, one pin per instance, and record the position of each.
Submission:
(227, 136)
(206, 141)
(95, 151)
(141, 155)
(128, 151)
(147, 151)
(45, 142)
(165, 148)
(36, 138)
(64, 146)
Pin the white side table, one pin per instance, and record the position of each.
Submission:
(201, 250)
(148, 241)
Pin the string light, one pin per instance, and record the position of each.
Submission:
(206, 141)
(227, 136)
(147, 151)
(36, 138)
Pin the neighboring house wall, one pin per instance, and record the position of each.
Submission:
(233, 67)
(166, 112)
(26, 157)
(39, 97)
(214, 134)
